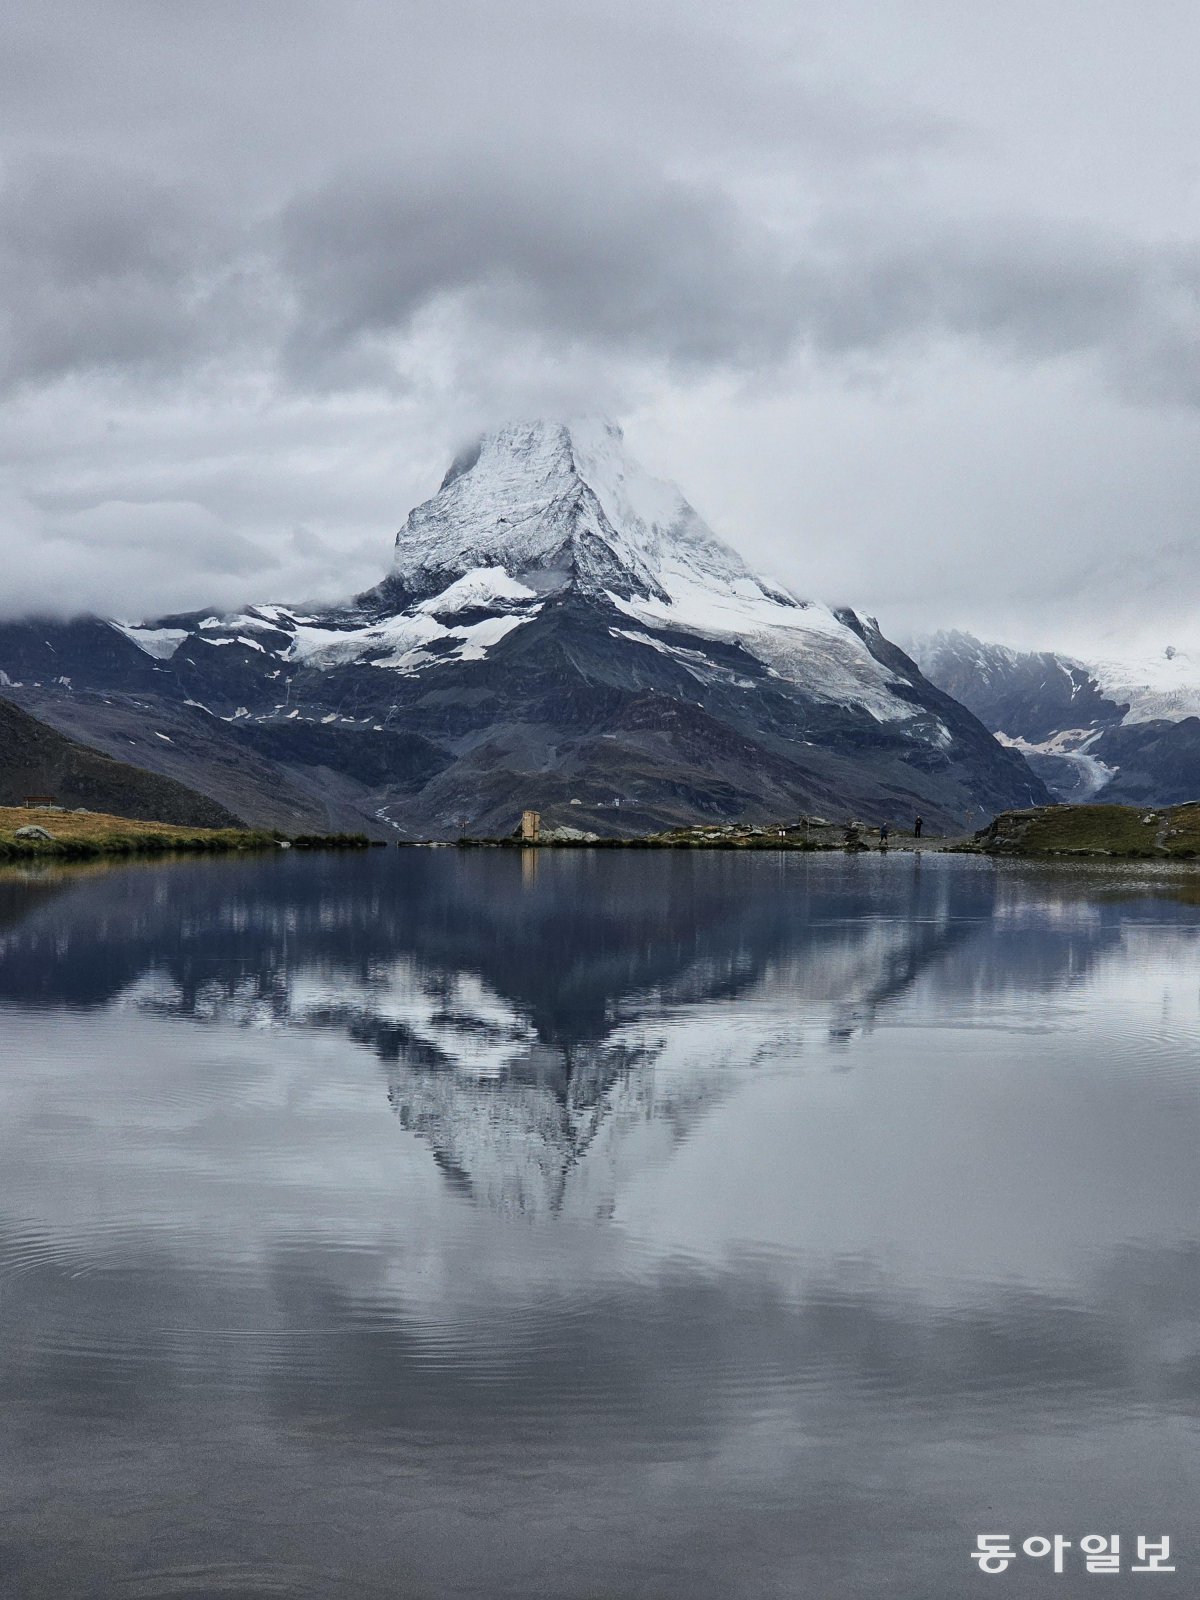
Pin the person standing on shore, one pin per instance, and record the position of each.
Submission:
(883, 835)
(918, 824)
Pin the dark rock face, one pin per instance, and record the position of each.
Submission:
(34, 759)
(556, 628)
(1114, 732)
(1157, 763)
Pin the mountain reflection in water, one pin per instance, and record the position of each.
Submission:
(441, 1223)
(534, 1012)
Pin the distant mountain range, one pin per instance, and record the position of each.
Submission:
(558, 630)
(1125, 731)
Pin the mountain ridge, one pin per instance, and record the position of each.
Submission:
(38, 760)
(557, 629)
(1125, 731)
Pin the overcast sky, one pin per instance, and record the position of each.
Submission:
(904, 293)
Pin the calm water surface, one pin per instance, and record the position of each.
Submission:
(438, 1224)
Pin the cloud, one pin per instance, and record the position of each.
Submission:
(106, 267)
(571, 249)
(582, 252)
(107, 556)
(418, 219)
(662, 191)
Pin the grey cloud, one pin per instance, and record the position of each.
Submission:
(109, 557)
(1032, 292)
(664, 78)
(679, 273)
(275, 224)
(667, 191)
(578, 251)
(107, 267)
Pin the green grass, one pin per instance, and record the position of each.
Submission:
(1173, 832)
(84, 837)
(89, 835)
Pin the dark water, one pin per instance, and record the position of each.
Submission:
(587, 1225)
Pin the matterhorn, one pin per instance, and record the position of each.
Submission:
(558, 630)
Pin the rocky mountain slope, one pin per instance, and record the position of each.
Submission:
(558, 630)
(1120, 730)
(36, 760)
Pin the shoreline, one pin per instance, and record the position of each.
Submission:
(43, 833)
(1169, 834)
(1049, 833)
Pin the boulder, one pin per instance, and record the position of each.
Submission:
(32, 831)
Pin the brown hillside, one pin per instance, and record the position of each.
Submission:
(35, 760)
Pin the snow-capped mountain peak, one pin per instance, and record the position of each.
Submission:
(559, 505)
(559, 628)
(1163, 685)
(538, 512)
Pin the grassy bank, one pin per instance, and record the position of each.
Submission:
(83, 836)
(1128, 832)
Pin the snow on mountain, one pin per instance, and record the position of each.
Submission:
(557, 625)
(161, 643)
(1161, 686)
(1111, 729)
(1164, 686)
(566, 504)
(549, 507)
(402, 643)
(489, 587)
(1085, 774)
(540, 509)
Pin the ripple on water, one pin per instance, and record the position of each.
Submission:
(246, 1580)
(107, 1244)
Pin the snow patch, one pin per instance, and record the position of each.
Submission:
(1165, 686)
(478, 589)
(161, 643)
(1070, 744)
(401, 643)
(804, 644)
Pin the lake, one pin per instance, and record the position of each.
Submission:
(596, 1223)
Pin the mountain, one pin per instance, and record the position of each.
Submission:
(558, 629)
(36, 760)
(1112, 729)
